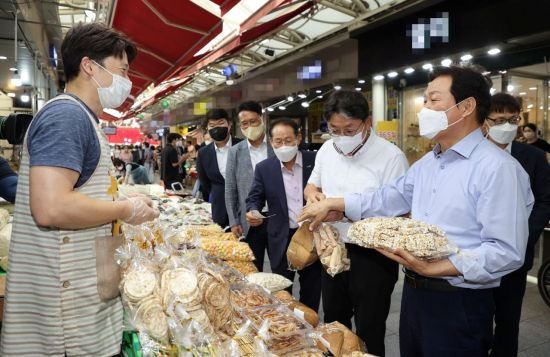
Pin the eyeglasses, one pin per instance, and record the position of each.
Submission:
(499, 121)
(345, 132)
(252, 122)
(286, 142)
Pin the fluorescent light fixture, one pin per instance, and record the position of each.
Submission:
(282, 107)
(378, 77)
(16, 81)
(269, 109)
(305, 104)
(301, 95)
(541, 107)
(427, 66)
(337, 87)
(320, 96)
(230, 82)
(532, 88)
(361, 81)
(493, 51)
(530, 106)
(318, 91)
(392, 74)
(25, 98)
(358, 88)
(290, 98)
(522, 93)
(13, 69)
(486, 73)
(510, 88)
(3, 58)
(466, 57)
(502, 72)
(409, 70)
(447, 62)
(11, 95)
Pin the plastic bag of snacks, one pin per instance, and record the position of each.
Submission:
(245, 268)
(422, 240)
(341, 340)
(269, 281)
(227, 250)
(331, 250)
(300, 310)
(301, 250)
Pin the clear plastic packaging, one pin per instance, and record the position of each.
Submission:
(331, 250)
(244, 296)
(269, 281)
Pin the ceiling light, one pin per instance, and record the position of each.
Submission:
(11, 95)
(409, 70)
(337, 87)
(13, 69)
(493, 91)
(16, 80)
(510, 88)
(493, 51)
(290, 98)
(522, 93)
(305, 104)
(361, 81)
(230, 82)
(427, 66)
(318, 91)
(447, 62)
(358, 88)
(3, 58)
(269, 109)
(532, 88)
(541, 107)
(502, 72)
(378, 77)
(530, 106)
(466, 57)
(392, 74)
(25, 98)
(301, 95)
(320, 96)
(282, 107)
(486, 73)
(419, 100)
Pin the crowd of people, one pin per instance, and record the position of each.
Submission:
(486, 190)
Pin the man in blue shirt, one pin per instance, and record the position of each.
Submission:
(478, 194)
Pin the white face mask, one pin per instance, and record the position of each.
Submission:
(432, 122)
(113, 96)
(286, 153)
(348, 145)
(254, 132)
(503, 134)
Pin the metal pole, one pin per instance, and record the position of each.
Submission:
(15, 37)
(545, 104)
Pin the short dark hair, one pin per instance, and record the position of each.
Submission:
(352, 104)
(250, 106)
(146, 144)
(504, 103)
(172, 136)
(284, 121)
(467, 82)
(96, 41)
(118, 162)
(532, 127)
(216, 114)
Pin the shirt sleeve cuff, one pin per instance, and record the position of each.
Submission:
(352, 203)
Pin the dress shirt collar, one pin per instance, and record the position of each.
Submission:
(298, 160)
(509, 148)
(466, 146)
(227, 145)
(250, 147)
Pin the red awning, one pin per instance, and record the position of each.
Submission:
(127, 136)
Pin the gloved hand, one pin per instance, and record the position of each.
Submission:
(142, 210)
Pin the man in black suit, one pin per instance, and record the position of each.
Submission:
(279, 181)
(212, 160)
(501, 127)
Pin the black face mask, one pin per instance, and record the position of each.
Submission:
(219, 133)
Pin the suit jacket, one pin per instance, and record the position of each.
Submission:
(534, 162)
(238, 181)
(269, 186)
(212, 182)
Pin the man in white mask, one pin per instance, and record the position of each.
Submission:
(241, 163)
(279, 181)
(355, 159)
(501, 127)
(62, 296)
(477, 194)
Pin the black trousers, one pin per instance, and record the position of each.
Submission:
(309, 277)
(257, 240)
(508, 299)
(450, 324)
(363, 292)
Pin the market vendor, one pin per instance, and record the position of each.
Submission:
(478, 194)
(57, 302)
(132, 173)
(355, 159)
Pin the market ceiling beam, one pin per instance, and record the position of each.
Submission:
(153, 54)
(338, 8)
(170, 23)
(361, 5)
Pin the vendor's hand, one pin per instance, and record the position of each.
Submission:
(334, 216)
(253, 220)
(316, 213)
(316, 196)
(433, 268)
(141, 210)
(237, 230)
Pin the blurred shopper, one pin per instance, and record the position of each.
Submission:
(172, 160)
(116, 152)
(241, 162)
(148, 163)
(126, 154)
(57, 302)
(8, 181)
(531, 134)
(212, 163)
(501, 127)
(132, 173)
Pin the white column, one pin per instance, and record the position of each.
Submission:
(378, 101)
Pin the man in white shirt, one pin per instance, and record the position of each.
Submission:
(356, 160)
(212, 161)
(241, 162)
